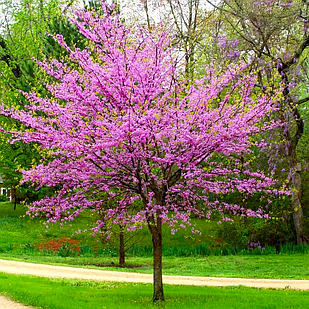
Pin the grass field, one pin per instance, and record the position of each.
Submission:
(21, 234)
(72, 294)
(268, 266)
(20, 238)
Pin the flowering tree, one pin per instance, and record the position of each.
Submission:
(120, 126)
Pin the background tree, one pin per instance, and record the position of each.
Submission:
(23, 38)
(120, 238)
(274, 35)
(189, 21)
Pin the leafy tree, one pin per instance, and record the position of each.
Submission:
(120, 238)
(274, 35)
(120, 119)
(190, 22)
(207, 36)
(24, 37)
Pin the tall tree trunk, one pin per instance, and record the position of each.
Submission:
(296, 204)
(14, 196)
(121, 248)
(156, 234)
(158, 294)
(293, 139)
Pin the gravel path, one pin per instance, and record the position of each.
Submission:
(41, 270)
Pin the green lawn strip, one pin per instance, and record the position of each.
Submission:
(268, 266)
(71, 294)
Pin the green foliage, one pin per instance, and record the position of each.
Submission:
(66, 251)
(86, 250)
(303, 156)
(234, 234)
(26, 38)
(275, 231)
(3, 198)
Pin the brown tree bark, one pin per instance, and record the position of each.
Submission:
(155, 228)
(14, 196)
(122, 251)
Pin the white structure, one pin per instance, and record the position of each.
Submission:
(3, 190)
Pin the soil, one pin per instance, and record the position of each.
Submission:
(14, 267)
(9, 304)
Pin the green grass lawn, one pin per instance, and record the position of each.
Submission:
(267, 266)
(20, 233)
(20, 236)
(72, 294)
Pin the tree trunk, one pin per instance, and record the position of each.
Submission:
(14, 196)
(158, 294)
(296, 205)
(156, 234)
(122, 261)
(292, 157)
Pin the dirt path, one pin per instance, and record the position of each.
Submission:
(41, 270)
(9, 304)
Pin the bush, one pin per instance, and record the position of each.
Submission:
(3, 198)
(233, 234)
(254, 232)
